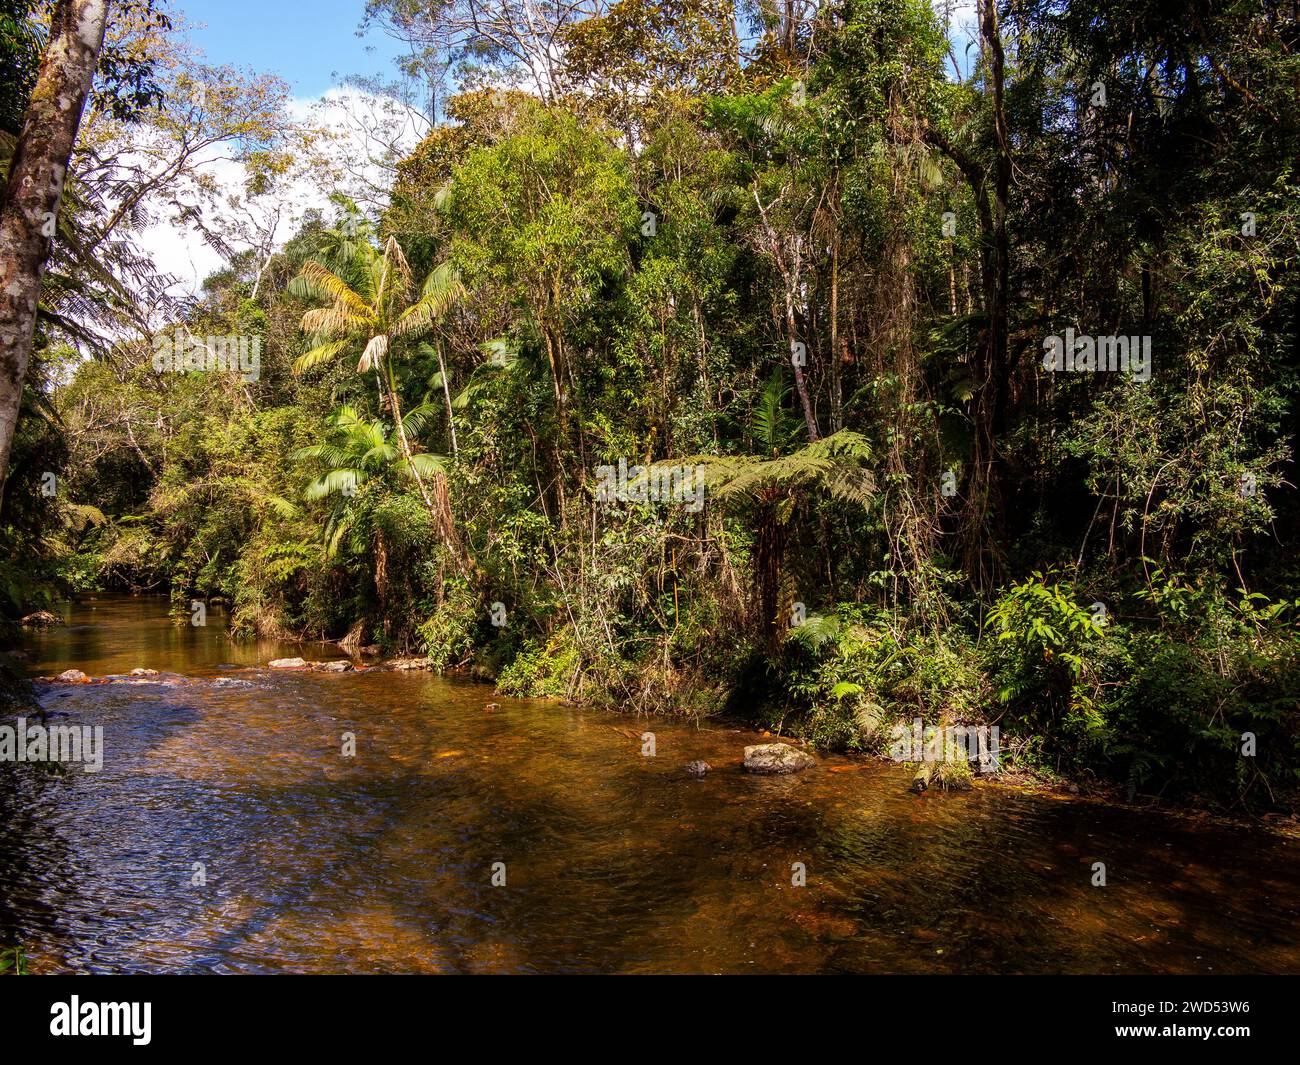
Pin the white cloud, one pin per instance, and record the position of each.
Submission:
(360, 138)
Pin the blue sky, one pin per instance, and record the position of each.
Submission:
(313, 43)
(309, 43)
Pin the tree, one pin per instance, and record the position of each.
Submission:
(20, 59)
(543, 225)
(769, 487)
(30, 203)
(516, 41)
(377, 315)
(358, 451)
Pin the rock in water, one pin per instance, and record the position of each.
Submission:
(407, 664)
(698, 769)
(72, 676)
(138, 672)
(287, 663)
(42, 619)
(332, 667)
(771, 758)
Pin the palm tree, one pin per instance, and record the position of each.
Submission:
(376, 312)
(769, 488)
(357, 452)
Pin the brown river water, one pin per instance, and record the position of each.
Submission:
(613, 861)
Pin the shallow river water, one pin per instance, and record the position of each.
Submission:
(612, 861)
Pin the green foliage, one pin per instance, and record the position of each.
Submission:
(451, 632)
(542, 669)
(859, 671)
(13, 961)
(1043, 660)
(621, 268)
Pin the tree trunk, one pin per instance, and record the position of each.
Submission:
(769, 556)
(30, 201)
(439, 511)
(983, 491)
(446, 395)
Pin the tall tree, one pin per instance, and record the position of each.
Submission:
(30, 203)
(378, 314)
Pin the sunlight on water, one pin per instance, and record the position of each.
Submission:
(614, 862)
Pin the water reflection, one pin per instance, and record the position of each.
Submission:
(613, 862)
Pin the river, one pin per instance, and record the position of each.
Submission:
(228, 832)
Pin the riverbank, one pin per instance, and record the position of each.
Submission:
(31, 693)
(248, 819)
(146, 635)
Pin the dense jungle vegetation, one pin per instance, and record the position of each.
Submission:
(813, 251)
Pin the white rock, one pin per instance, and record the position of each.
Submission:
(771, 758)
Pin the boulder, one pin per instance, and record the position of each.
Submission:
(771, 758)
(287, 663)
(331, 667)
(697, 769)
(42, 619)
(137, 672)
(72, 676)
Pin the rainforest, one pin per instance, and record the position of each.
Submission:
(777, 375)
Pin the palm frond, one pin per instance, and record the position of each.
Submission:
(429, 465)
(771, 423)
(381, 454)
(417, 419)
(326, 352)
(282, 506)
(374, 354)
(340, 481)
(319, 280)
(335, 320)
(442, 288)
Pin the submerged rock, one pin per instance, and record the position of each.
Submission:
(698, 769)
(288, 663)
(772, 758)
